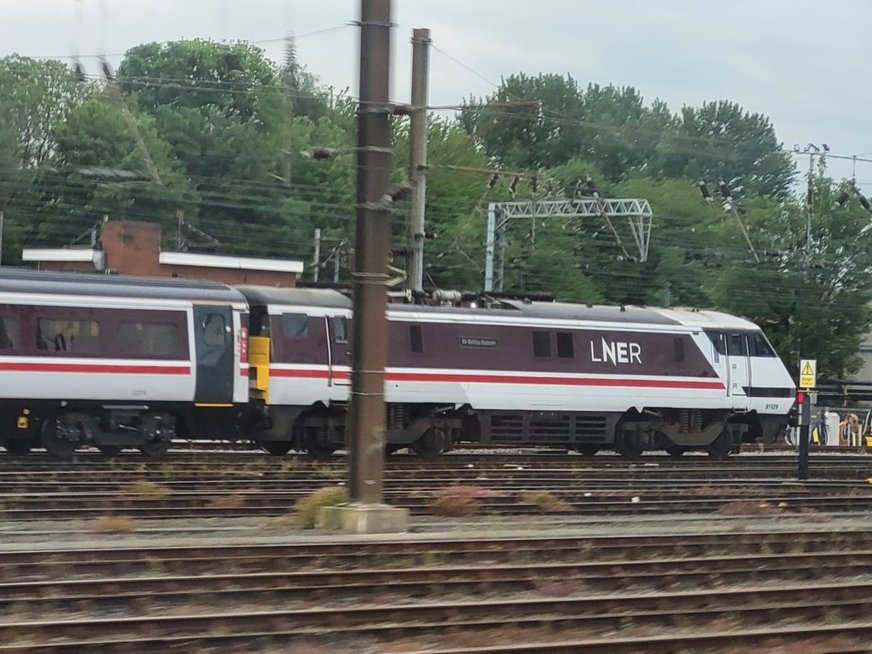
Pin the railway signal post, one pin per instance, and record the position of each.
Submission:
(807, 380)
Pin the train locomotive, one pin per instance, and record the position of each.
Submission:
(518, 373)
(134, 363)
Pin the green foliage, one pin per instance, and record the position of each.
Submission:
(730, 142)
(197, 73)
(221, 133)
(613, 129)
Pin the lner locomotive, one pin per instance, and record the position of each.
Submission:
(520, 373)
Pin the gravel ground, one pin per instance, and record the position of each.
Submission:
(224, 531)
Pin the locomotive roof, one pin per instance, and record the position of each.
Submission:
(701, 319)
(555, 311)
(19, 280)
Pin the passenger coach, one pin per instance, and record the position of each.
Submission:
(118, 362)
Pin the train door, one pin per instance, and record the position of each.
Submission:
(214, 348)
(340, 350)
(740, 364)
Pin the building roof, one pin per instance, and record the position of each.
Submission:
(90, 255)
(235, 263)
(73, 255)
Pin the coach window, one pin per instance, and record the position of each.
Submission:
(565, 348)
(142, 339)
(416, 338)
(340, 329)
(8, 333)
(541, 344)
(678, 348)
(737, 345)
(72, 336)
(295, 325)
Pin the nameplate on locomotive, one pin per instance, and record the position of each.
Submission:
(477, 341)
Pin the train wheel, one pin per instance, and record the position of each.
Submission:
(432, 443)
(17, 448)
(109, 450)
(630, 452)
(276, 448)
(56, 441)
(587, 450)
(318, 447)
(155, 448)
(675, 451)
(720, 448)
(629, 445)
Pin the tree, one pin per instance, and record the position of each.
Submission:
(721, 140)
(544, 132)
(37, 97)
(198, 73)
(812, 298)
(108, 162)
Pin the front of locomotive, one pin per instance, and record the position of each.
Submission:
(768, 387)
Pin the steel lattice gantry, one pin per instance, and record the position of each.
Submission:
(637, 213)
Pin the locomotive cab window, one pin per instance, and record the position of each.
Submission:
(340, 329)
(719, 343)
(214, 329)
(541, 344)
(8, 333)
(295, 325)
(565, 347)
(760, 347)
(737, 345)
(416, 338)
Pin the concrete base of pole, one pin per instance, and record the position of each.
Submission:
(359, 518)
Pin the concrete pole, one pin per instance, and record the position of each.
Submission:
(366, 419)
(316, 260)
(809, 204)
(2, 219)
(418, 160)
(490, 253)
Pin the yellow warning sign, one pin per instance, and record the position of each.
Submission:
(808, 373)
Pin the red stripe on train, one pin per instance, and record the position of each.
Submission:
(514, 379)
(137, 369)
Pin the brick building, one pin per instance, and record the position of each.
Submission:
(133, 248)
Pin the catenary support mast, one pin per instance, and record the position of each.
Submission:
(418, 160)
(371, 249)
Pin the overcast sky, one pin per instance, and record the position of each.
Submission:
(804, 63)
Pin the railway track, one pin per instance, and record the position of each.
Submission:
(552, 594)
(222, 486)
(804, 587)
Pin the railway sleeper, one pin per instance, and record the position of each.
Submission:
(853, 597)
